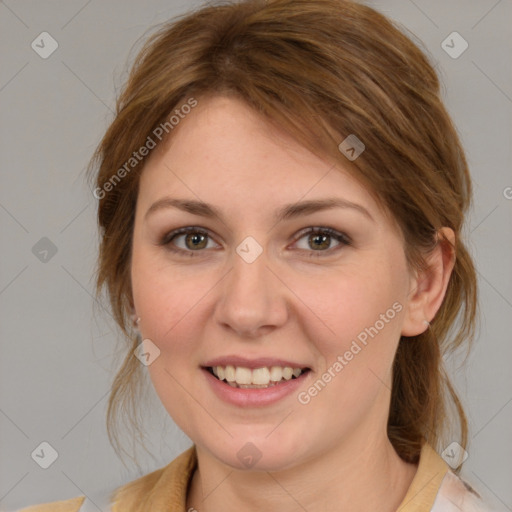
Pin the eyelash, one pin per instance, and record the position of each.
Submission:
(340, 237)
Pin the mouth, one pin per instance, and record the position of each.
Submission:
(256, 378)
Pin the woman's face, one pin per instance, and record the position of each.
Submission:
(254, 291)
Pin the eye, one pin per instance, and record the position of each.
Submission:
(193, 239)
(319, 239)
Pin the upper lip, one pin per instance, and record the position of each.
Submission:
(260, 362)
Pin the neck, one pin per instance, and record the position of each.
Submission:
(358, 475)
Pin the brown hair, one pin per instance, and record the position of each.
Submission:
(321, 70)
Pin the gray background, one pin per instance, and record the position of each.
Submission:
(57, 354)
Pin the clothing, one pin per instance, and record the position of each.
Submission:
(435, 488)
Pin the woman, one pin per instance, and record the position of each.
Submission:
(281, 199)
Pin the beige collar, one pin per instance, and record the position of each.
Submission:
(167, 488)
(425, 485)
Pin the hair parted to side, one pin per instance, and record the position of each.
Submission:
(320, 70)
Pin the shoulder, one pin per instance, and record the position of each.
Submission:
(71, 505)
(156, 490)
(161, 488)
(456, 495)
(435, 488)
(129, 496)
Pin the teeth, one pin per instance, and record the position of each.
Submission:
(260, 376)
(287, 373)
(243, 377)
(229, 373)
(276, 373)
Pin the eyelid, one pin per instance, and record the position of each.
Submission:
(324, 229)
(342, 238)
(166, 239)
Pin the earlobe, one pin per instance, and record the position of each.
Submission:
(428, 288)
(134, 317)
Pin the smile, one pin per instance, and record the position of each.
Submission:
(257, 378)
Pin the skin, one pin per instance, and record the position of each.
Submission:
(294, 302)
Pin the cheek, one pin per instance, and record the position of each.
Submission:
(354, 305)
(168, 301)
(162, 294)
(164, 298)
(361, 315)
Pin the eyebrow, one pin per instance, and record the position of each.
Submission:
(287, 212)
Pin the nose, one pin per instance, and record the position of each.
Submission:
(252, 300)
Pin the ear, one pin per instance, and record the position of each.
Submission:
(428, 288)
(133, 313)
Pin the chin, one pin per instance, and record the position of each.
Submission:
(259, 453)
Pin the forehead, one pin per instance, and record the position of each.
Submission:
(224, 152)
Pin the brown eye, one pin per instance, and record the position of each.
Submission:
(187, 240)
(195, 241)
(319, 240)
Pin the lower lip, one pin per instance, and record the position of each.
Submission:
(253, 397)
